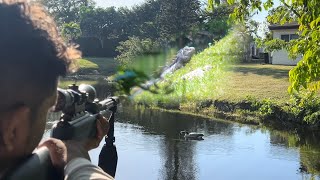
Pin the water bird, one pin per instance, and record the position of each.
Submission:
(192, 135)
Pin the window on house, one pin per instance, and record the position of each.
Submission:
(285, 37)
(294, 36)
(288, 37)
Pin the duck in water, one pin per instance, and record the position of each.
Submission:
(192, 135)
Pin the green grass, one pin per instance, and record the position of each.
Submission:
(227, 80)
(106, 66)
(210, 86)
(64, 83)
(84, 63)
(258, 81)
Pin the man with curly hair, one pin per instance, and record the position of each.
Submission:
(32, 58)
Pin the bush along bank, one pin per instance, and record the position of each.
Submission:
(301, 113)
(202, 93)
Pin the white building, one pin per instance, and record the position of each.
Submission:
(285, 32)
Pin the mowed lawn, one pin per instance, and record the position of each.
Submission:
(105, 65)
(258, 81)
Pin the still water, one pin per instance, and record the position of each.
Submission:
(149, 147)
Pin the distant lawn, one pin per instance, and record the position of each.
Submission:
(84, 63)
(66, 83)
(258, 81)
(106, 66)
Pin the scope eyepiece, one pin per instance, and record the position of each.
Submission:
(65, 99)
(74, 96)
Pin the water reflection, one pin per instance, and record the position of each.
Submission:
(177, 155)
(179, 158)
(308, 144)
(149, 147)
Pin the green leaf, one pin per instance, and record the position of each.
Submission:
(313, 24)
(231, 2)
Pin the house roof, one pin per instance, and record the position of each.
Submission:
(293, 25)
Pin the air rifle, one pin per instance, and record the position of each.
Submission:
(80, 109)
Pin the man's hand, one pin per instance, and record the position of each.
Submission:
(102, 130)
(61, 152)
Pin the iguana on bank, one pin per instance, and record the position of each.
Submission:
(183, 57)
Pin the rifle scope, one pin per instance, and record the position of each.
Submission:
(74, 96)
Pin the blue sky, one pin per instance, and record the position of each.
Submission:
(260, 17)
(120, 3)
(263, 14)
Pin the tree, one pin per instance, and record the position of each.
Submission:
(215, 20)
(141, 21)
(71, 31)
(65, 11)
(91, 21)
(111, 23)
(100, 22)
(307, 13)
(146, 18)
(177, 18)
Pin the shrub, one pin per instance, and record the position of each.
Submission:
(306, 106)
(267, 107)
(134, 47)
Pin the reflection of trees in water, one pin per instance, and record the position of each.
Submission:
(310, 152)
(309, 148)
(178, 160)
(309, 160)
(177, 154)
(170, 124)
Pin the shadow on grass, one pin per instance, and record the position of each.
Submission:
(265, 71)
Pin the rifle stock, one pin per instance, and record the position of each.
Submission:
(37, 166)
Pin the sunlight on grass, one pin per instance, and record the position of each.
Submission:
(218, 57)
(258, 81)
(105, 66)
(65, 84)
(84, 63)
(226, 80)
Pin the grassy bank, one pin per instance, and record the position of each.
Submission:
(104, 66)
(215, 84)
(87, 65)
(66, 83)
(201, 79)
(249, 93)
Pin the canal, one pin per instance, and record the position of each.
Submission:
(150, 147)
